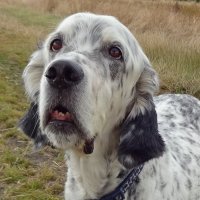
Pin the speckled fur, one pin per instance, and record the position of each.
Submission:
(175, 175)
(114, 105)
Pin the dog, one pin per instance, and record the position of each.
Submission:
(92, 92)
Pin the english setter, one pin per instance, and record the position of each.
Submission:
(91, 89)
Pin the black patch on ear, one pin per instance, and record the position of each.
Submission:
(29, 124)
(140, 140)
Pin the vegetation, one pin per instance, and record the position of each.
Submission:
(168, 32)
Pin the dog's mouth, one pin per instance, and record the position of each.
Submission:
(61, 121)
(60, 115)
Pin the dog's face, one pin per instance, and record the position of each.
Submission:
(89, 75)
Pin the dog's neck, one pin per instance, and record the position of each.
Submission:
(91, 176)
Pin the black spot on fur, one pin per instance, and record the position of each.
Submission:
(111, 106)
(141, 143)
(122, 174)
(114, 70)
(189, 184)
(29, 124)
(132, 91)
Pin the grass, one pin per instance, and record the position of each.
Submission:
(24, 174)
(167, 31)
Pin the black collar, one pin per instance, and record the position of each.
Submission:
(129, 181)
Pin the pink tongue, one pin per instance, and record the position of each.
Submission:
(61, 116)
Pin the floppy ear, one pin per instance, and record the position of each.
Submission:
(32, 74)
(29, 124)
(139, 137)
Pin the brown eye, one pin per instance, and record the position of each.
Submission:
(115, 52)
(56, 45)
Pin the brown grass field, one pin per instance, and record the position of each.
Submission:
(168, 31)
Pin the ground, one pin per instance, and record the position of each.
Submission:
(168, 32)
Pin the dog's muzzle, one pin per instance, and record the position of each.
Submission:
(63, 113)
(63, 75)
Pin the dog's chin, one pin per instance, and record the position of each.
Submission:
(66, 136)
(58, 127)
(62, 128)
(63, 135)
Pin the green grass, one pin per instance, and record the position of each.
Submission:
(29, 175)
(22, 177)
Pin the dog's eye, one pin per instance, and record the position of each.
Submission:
(56, 45)
(115, 52)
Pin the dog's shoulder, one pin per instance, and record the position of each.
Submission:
(175, 174)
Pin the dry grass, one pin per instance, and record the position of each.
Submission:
(168, 32)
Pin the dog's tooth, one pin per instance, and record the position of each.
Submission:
(68, 116)
(58, 115)
(61, 114)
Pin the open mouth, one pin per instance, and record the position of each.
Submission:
(60, 120)
(60, 115)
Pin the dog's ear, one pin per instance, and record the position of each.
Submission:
(29, 124)
(32, 74)
(139, 137)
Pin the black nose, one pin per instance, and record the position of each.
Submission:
(63, 74)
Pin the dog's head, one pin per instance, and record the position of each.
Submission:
(90, 77)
